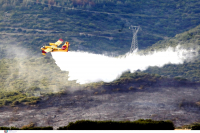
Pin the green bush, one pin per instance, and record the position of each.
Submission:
(180, 79)
(119, 125)
(14, 128)
(15, 103)
(5, 102)
(8, 94)
(4, 128)
(196, 127)
(37, 128)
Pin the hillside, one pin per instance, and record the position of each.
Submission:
(35, 90)
(190, 70)
(98, 26)
(188, 39)
(142, 96)
(21, 74)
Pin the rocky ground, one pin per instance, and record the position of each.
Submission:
(177, 104)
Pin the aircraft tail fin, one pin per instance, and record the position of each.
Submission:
(65, 46)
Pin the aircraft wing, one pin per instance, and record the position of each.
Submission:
(59, 42)
(48, 50)
(52, 44)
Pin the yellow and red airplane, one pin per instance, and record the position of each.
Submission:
(53, 47)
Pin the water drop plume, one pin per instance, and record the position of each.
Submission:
(87, 67)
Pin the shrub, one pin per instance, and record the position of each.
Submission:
(37, 128)
(119, 125)
(4, 128)
(15, 103)
(5, 102)
(14, 128)
(30, 125)
(180, 79)
(34, 88)
(8, 94)
(196, 127)
(131, 88)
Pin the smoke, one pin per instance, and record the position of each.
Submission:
(87, 68)
(21, 71)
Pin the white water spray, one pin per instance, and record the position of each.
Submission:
(87, 68)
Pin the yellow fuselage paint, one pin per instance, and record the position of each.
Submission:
(55, 49)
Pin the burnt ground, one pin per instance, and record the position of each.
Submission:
(158, 102)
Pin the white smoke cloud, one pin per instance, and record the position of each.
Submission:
(87, 68)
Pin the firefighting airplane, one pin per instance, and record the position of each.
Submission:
(53, 47)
